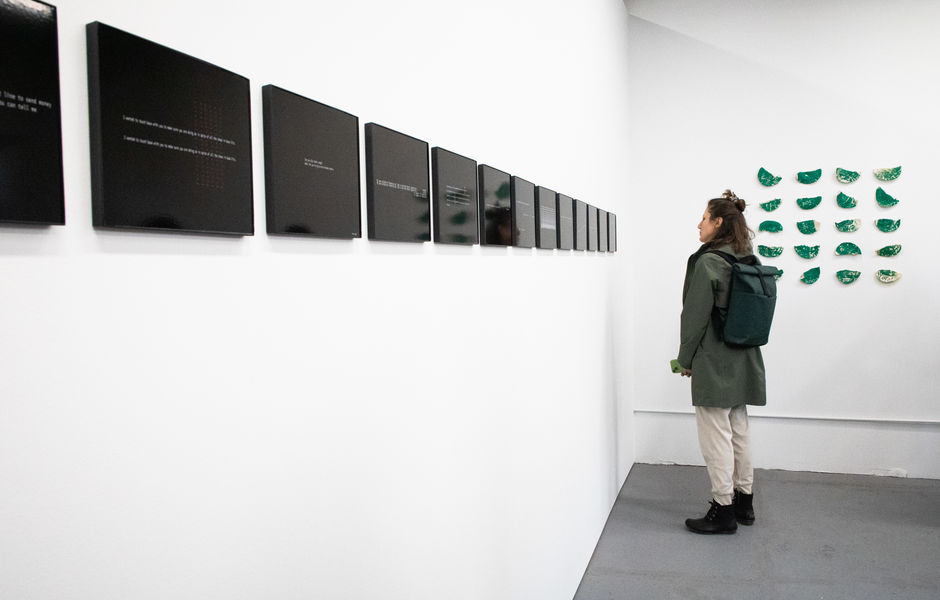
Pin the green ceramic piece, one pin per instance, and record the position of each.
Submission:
(772, 205)
(845, 201)
(770, 251)
(778, 275)
(849, 225)
(887, 225)
(847, 276)
(847, 249)
(810, 277)
(809, 176)
(887, 275)
(884, 199)
(890, 250)
(846, 176)
(888, 174)
(808, 227)
(770, 227)
(766, 178)
(808, 203)
(806, 251)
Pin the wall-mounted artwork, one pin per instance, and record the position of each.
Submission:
(848, 225)
(601, 230)
(580, 225)
(810, 276)
(766, 178)
(809, 176)
(311, 167)
(846, 176)
(592, 228)
(888, 225)
(887, 275)
(770, 251)
(771, 205)
(807, 252)
(546, 221)
(808, 227)
(770, 226)
(495, 207)
(884, 199)
(31, 188)
(847, 249)
(889, 174)
(522, 195)
(454, 198)
(809, 203)
(170, 138)
(611, 232)
(892, 250)
(845, 201)
(848, 276)
(565, 224)
(397, 181)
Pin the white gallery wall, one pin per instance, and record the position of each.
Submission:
(195, 417)
(719, 89)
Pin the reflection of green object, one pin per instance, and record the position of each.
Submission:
(887, 225)
(808, 227)
(887, 275)
(770, 251)
(847, 249)
(772, 205)
(846, 176)
(459, 238)
(766, 178)
(809, 176)
(425, 217)
(845, 201)
(806, 251)
(502, 192)
(849, 225)
(770, 226)
(847, 276)
(808, 203)
(885, 199)
(888, 174)
(460, 218)
(779, 274)
(890, 250)
(423, 237)
(810, 277)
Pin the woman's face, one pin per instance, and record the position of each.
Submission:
(708, 228)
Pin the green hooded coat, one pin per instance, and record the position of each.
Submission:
(722, 376)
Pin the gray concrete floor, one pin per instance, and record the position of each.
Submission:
(817, 536)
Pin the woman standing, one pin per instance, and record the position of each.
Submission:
(725, 379)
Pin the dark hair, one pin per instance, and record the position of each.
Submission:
(733, 231)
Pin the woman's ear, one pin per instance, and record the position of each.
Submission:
(718, 222)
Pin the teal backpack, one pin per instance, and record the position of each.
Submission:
(745, 323)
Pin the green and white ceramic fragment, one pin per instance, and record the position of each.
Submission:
(808, 227)
(846, 176)
(811, 276)
(849, 225)
(770, 251)
(806, 251)
(845, 201)
(847, 249)
(887, 174)
(809, 176)
(892, 250)
(884, 199)
(887, 225)
(848, 276)
(766, 178)
(808, 203)
(887, 275)
(771, 205)
(770, 227)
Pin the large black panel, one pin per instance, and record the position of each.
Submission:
(495, 210)
(311, 167)
(565, 222)
(523, 213)
(580, 225)
(601, 230)
(397, 201)
(455, 198)
(30, 122)
(170, 138)
(546, 225)
(592, 228)
(611, 232)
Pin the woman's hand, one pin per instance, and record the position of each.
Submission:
(685, 372)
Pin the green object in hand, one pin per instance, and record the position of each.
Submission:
(675, 366)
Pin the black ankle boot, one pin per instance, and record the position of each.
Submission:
(743, 507)
(719, 519)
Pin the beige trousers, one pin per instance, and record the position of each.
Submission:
(725, 442)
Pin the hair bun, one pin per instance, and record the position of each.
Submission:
(739, 203)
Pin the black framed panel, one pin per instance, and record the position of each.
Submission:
(601, 230)
(31, 188)
(545, 220)
(397, 202)
(170, 138)
(523, 212)
(565, 222)
(495, 209)
(592, 228)
(611, 232)
(580, 225)
(311, 167)
(454, 185)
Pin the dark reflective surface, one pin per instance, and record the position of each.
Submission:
(601, 230)
(31, 188)
(546, 221)
(580, 225)
(592, 228)
(397, 175)
(565, 224)
(523, 212)
(495, 210)
(611, 232)
(311, 167)
(454, 182)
